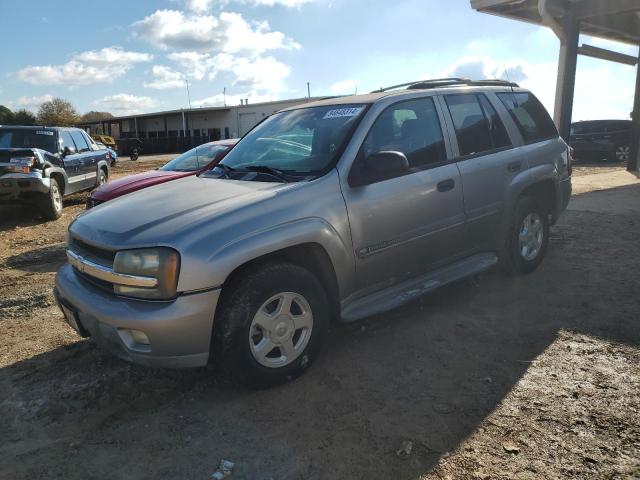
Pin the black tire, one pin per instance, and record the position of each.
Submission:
(514, 262)
(231, 350)
(102, 177)
(51, 203)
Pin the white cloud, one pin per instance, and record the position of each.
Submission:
(30, 103)
(266, 74)
(613, 102)
(219, 100)
(165, 78)
(229, 32)
(610, 45)
(263, 74)
(125, 104)
(284, 3)
(193, 64)
(198, 6)
(344, 87)
(203, 6)
(94, 66)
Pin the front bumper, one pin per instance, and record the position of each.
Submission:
(179, 331)
(15, 187)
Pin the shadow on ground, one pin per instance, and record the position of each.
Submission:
(430, 372)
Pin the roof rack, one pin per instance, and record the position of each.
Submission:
(449, 82)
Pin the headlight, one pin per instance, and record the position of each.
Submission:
(163, 264)
(22, 164)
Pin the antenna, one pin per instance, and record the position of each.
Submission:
(513, 93)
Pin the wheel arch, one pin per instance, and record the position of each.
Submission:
(311, 256)
(60, 176)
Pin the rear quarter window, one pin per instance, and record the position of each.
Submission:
(529, 115)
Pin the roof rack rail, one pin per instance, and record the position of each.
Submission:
(449, 82)
(438, 81)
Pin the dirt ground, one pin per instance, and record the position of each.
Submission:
(497, 377)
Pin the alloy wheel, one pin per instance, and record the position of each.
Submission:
(623, 153)
(281, 330)
(531, 236)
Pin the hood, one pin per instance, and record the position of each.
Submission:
(161, 214)
(122, 186)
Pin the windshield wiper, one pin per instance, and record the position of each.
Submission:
(274, 172)
(225, 168)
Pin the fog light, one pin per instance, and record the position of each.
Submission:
(139, 337)
(135, 340)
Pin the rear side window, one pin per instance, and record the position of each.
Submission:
(478, 126)
(66, 141)
(80, 141)
(410, 127)
(530, 116)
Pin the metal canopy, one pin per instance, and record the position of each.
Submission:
(617, 20)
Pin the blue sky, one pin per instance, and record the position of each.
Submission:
(135, 56)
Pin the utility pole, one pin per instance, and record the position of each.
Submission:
(188, 94)
(309, 89)
(224, 96)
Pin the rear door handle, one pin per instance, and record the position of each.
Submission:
(514, 166)
(446, 185)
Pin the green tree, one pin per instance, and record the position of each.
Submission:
(93, 116)
(24, 117)
(57, 113)
(6, 116)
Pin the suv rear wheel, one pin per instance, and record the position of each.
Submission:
(271, 326)
(51, 203)
(528, 237)
(622, 153)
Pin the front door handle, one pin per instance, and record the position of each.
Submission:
(446, 185)
(514, 166)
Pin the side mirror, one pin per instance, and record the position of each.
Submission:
(67, 151)
(384, 166)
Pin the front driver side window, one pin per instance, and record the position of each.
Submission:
(411, 127)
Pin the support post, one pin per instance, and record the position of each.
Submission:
(567, 66)
(634, 160)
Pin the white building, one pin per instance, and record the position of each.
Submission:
(213, 123)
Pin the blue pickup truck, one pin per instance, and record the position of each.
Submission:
(41, 165)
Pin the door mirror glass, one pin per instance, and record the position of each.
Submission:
(384, 166)
(68, 151)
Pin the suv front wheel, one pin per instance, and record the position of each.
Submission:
(271, 325)
(528, 237)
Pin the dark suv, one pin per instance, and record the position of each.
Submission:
(40, 165)
(597, 139)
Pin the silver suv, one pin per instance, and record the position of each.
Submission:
(338, 209)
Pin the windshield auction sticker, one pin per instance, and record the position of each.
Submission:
(343, 112)
(44, 132)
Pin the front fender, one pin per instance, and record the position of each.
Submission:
(227, 258)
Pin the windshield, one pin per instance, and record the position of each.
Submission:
(196, 158)
(296, 142)
(19, 138)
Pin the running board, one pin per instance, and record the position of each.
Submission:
(411, 289)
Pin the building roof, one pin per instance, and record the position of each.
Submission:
(617, 20)
(194, 110)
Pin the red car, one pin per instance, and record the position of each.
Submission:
(193, 162)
